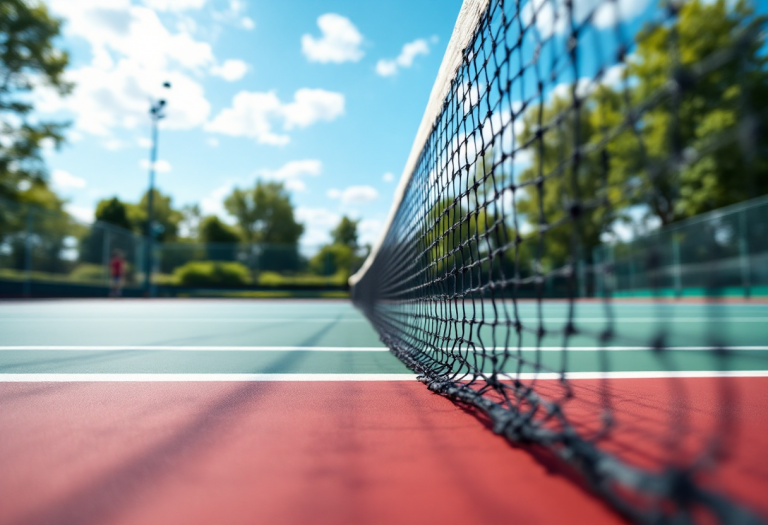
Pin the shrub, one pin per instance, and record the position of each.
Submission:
(87, 272)
(212, 273)
(276, 280)
(332, 259)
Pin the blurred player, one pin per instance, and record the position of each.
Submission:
(117, 272)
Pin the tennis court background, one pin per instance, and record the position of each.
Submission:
(242, 411)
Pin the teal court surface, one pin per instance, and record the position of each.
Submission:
(215, 411)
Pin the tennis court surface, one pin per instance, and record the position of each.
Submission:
(285, 411)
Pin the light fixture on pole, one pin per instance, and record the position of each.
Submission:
(156, 114)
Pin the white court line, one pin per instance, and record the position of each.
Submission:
(297, 320)
(300, 320)
(79, 378)
(101, 378)
(625, 320)
(622, 348)
(99, 348)
(641, 375)
(153, 348)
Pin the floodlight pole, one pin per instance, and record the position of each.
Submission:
(155, 114)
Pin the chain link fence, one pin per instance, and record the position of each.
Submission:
(49, 253)
(720, 253)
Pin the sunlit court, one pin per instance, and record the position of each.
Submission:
(203, 410)
(414, 261)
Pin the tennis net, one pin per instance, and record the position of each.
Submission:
(557, 129)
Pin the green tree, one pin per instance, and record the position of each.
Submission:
(340, 256)
(98, 242)
(113, 211)
(212, 229)
(190, 224)
(164, 215)
(683, 156)
(28, 58)
(332, 259)
(265, 213)
(346, 232)
(730, 161)
(563, 201)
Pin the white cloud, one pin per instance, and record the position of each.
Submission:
(161, 166)
(388, 177)
(405, 59)
(132, 32)
(81, 213)
(63, 180)
(292, 172)
(318, 222)
(340, 42)
(174, 5)
(255, 114)
(614, 75)
(295, 169)
(133, 53)
(354, 194)
(113, 144)
(252, 115)
(119, 98)
(552, 16)
(213, 203)
(312, 105)
(143, 142)
(230, 70)
(584, 87)
(234, 14)
(368, 230)
(295, 185)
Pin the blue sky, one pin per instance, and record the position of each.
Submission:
(324, 95)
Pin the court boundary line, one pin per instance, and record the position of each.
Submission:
(527, 320)
(220, 348)
(182, 378)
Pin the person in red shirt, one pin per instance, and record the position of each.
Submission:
(117, 271)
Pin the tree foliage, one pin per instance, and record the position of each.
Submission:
(686, 153)
(163, 215)
(113, 211)
(28, 59)
(265, 213)
(346, 232)
(731, 161)
(341, 256)
(212, 229)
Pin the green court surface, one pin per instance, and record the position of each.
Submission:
(258, 411)
(332, 337)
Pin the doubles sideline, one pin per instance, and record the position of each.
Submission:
(122, 378)
(163, 348)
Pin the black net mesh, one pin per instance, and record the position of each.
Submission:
(567, 130)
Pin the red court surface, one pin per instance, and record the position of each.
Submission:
(289, 452)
